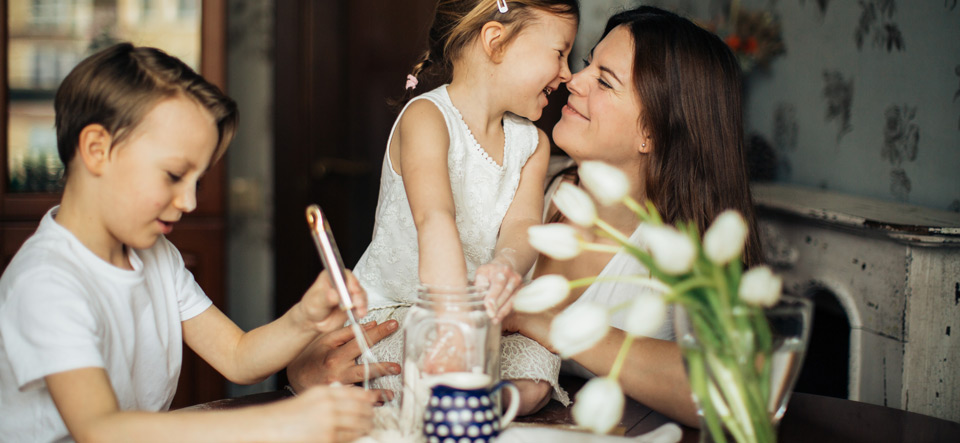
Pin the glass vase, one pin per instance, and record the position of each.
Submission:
(742, 366)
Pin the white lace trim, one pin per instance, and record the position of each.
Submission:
(476, 145)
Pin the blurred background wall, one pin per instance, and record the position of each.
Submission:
(250, 64)
(861, 98)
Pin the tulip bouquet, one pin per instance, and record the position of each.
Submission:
(729, 369)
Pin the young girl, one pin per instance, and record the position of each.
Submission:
(95, 306)
(463, 174)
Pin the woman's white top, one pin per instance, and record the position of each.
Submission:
(482, 193)
(609, 294)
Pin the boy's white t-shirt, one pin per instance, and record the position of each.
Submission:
(63, 308)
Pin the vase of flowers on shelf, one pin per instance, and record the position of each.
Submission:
(753, 36)
(742, 341)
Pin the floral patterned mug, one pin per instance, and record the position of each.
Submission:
(460, 409)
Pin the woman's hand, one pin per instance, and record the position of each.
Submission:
(535, 326)
(503, 281)
(332, 358)
(320, 304)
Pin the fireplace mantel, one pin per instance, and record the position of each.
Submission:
(898, 221)
(895, 270)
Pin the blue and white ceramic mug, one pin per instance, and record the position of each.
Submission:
(460, 409)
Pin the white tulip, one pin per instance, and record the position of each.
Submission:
(556, 240)
(541, 294)
(672, 250)
(645, 315)
(607, 183)
(759, 286)
(576, 204)
(578, 328)
(599, 405)
(725, 238)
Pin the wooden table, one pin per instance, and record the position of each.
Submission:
(809, 418)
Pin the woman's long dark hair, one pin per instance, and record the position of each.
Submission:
(689, 84)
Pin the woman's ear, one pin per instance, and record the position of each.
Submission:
(492, 36)
(93, 147)
(644, 145)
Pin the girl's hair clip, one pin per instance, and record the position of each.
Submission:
(502, 6)
(411, 82)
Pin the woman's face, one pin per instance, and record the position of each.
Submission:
(601, 120)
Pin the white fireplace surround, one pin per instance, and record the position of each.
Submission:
(895, 270)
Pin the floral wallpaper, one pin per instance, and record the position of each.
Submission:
(785, 136)
(838, 94)
(844, 106)
(877, 25)
(956, 95)
(888, 72)
(900, 139)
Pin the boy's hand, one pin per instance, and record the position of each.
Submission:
(503, 281)
(320, 304)
(325, 414)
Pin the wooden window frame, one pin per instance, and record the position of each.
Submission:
(26, 206)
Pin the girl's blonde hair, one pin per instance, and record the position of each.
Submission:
(457, 22)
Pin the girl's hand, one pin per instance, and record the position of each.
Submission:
(503, 281)
(320, 304)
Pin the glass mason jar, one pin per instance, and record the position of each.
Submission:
(447, 330)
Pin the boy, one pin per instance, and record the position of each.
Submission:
(96, 304)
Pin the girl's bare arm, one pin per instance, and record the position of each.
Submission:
(513, 255)
(422, 142)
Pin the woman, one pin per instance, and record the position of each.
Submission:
(660, 99)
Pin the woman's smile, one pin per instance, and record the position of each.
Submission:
(569, 109)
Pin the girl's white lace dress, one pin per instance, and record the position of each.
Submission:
(482, 193)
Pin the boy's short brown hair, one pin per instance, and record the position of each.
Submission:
(119, 85)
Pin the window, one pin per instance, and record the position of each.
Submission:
(186, 9)
(46, 39)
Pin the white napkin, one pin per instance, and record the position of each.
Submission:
(667, 433)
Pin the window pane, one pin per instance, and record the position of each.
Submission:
(47, 38)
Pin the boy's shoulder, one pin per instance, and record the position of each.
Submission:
(45, 256)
